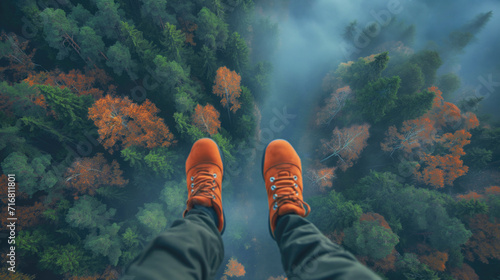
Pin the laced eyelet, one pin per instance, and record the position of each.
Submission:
(275, 206)
(215, 175)
(213, 189)
(271, 179)
(273, 187)
(275, 196)
(192, 185)
(192, 178)
(296, 193)
(192, 190)
(213, 196)
(295, 177)
(295, 185)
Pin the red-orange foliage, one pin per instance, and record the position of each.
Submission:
(281, 277)
(30, 215)
(19, 57)
(485, 241)
(414, 133)
(384, 265)
(464, 273)
(470, 195)
(334, 105)
(234, 268)
(493, 190)
(227, 86)
(322, 177)
(74, 80)
(436, 260)
(370, 216)
(188, 28)
(346, 144)
(121, 120)
(336, 236)
(206, 118)
(88, 174)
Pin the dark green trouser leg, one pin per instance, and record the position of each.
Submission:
(307, 254)
(191, 249)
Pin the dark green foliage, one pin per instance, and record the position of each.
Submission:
(173, 42)
(31, 242)
(360, 73)
(368, 238)
(57, 28)
(462, 37)
(80, 14)
(33, 173)
(246, 122)
(174, 195)
(410, 268)
(212, 30)
(240, 16)
(69, 258)
(156, 10)
(429, 62)
(478, 158)
(379, 97)
(260, 79)
(333, 212)
(448, 83)
(160, 161)
(69, 108)
(106, 21)
(119, 58)
(134, 39)
(466, 208)
(412, 78)
(105, 242)
(131, 245)
(411, 106)
(152, 219)
(91, 44)
(171, 73)
(88, 212)
(207, 63)
(188, 131)
(236, 53)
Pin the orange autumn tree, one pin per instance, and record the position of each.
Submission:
(334, 105)
(412, 135)
(88, 174)
(123, 123)
(322, 177)
(435, 259)
(227, 86)
(370, 216)
(485, 241)
(20, 59)
(206, 118)
(346, 144)
(281, 277)
(234, 268)
(75, 80)
(464, 273)
(470, 195)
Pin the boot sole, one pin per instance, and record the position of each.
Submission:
(223, 213)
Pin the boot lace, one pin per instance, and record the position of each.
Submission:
(286, 191)
(203, 184)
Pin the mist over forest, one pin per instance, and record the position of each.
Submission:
(392, 106)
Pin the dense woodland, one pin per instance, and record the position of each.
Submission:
(102, 99)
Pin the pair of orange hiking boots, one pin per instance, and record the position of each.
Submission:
(281, 169)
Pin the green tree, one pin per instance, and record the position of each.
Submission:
(186, 129)
(333, 212)
(157, 11)
(119, 58)
(173, 42)
(212, 30)
(174, 196)
(58, 29)
(131, 245)
(236, 53)
(134, 39)
(106, 243)
(411, 106)
(152, 218)
(429, 62)
(70, 109)
(412, 78)
(69, 258)
(448, 84)
(379, 97)
(171, 72)
(90, 43)
(32, 242)
(80, 14)
(208, 63)
(106, 20)
(160, 161)
(361, 72)
(88, 212)
(368, 238)
(33, 174)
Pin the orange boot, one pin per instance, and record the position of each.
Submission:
(204, 178)
(282, 172)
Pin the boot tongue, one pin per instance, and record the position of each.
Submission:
(284, 173)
